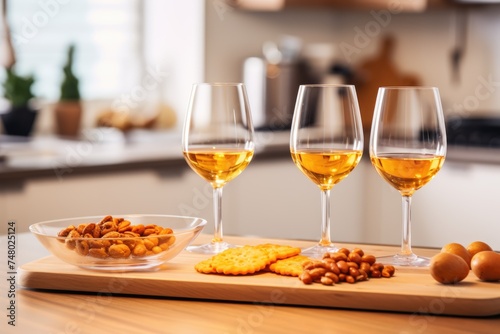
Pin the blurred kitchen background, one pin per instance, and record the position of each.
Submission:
(135, 62)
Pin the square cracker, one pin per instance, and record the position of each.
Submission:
(237, 261)
(242, 260)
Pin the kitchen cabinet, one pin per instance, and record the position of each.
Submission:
(456, 206)
(414, 6)
(273, 199)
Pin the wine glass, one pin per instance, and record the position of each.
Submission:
(326, 144)
(218, 143)
(407, 148)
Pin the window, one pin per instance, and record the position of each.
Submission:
(119, 44)
(106, 35)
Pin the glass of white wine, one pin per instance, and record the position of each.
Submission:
(326, 144)
(218, 143)
(407, 148)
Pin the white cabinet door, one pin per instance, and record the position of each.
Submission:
(459, 205)
(272, 198)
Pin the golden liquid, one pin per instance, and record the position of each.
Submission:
(218, 166)
(326, 168)
(407, 173)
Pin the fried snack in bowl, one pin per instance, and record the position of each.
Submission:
(120, 242)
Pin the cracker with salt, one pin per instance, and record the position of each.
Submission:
(281, 251)
(205, 267)
(241, 261)
(291, 266)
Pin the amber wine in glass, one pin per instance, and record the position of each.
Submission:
(218, 144)
(326, 144)
(408, 148)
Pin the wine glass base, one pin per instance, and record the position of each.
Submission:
(318, 250)
(210, 248)
(404, 260)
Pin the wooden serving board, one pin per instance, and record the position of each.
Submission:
(410, 290)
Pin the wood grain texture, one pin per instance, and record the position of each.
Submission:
(411, 290)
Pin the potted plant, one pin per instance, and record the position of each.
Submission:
(19, 118)
(68, 110)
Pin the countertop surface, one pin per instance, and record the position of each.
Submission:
(47, 311)
(103, 150)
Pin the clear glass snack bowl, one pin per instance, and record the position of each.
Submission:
(185, 230)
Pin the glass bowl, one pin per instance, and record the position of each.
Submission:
(118, 243)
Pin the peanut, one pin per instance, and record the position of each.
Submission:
(119, 251)
(344, 250)
(368, 258)
(317, 272)
(353, 272)
(354, 257)
(388, 271)
(124, 226)
(344, 266)
(350, 279)
(358, 251)
(365, 266)
(306, 278)
(99, 253)
(89, 229)
(338, 257)
(82, 247)
(70, 242)
(105, 219)
(352, 264)
(99, 237)
(326, 280)
(64, 232)
(109, 226)
(334, 277)
(140, 250)
(139, 229)
(80, 228)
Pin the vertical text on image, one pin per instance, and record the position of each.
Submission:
(11, 273)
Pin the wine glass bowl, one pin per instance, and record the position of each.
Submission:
(326, 144)
(218, 144)
(407, 149)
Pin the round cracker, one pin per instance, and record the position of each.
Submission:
(280, 251)
(291, 266)
(205, 267)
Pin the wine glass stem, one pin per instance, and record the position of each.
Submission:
(325, 218)
(406, 238)
(217, 196)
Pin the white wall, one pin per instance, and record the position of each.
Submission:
(174, 41)
(423, 45)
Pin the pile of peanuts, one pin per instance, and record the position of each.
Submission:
(344, 266)
(97, 239)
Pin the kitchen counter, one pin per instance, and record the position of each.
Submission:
(106, 150)
(46, 311)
